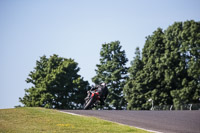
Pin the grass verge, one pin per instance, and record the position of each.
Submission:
(40, 120)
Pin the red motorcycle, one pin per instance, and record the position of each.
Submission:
(92, 99)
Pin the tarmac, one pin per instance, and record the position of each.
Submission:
(154, 121)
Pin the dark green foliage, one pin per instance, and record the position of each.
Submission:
(112, 70)
(187, 69)
(56, 84)
(169, 71)
(132, 92)
(136, 64)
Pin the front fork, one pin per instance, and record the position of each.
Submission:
(88, 95)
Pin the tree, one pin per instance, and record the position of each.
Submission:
(112, 70)
(56, 84)
(131, 92)
(170, 73)
(136, 64)
(186, 44)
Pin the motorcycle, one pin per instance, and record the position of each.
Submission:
(92, 99)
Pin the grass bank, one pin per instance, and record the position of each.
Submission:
(40, 120)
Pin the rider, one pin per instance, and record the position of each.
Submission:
(103, 91)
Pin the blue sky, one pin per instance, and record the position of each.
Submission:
(76, 29)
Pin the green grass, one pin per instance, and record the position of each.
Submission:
(40, 120)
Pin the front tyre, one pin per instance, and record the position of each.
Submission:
(89, 103)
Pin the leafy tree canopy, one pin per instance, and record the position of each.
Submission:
(112, 70)
(56, 84)
(168, 71)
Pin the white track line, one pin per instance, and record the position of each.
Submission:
(70, 113)
(113, 122)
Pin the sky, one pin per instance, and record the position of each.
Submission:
(76, 29)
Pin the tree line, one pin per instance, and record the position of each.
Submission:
(167, 70)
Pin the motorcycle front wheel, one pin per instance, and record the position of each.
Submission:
(89, 103)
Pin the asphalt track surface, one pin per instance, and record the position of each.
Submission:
(159, 121)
